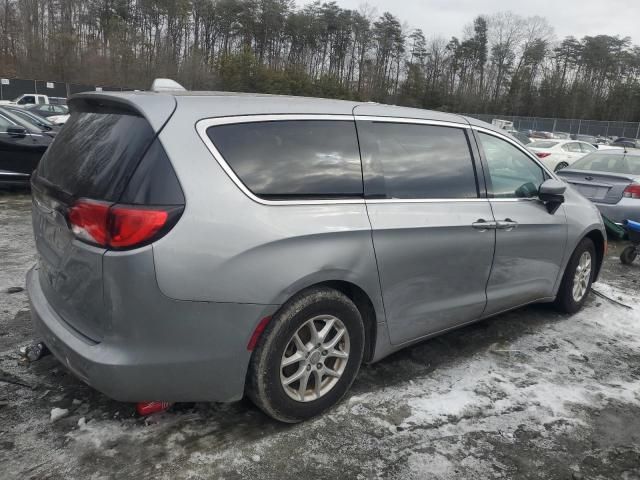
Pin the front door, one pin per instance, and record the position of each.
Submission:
(530, 241)
(432, 230)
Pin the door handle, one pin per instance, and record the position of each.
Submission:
(506, 224)
(482, 225)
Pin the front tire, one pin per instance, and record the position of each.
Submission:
(308, 356)
(578, 277)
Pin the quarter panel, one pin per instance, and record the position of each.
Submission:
(229, 248)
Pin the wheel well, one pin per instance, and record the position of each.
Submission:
(367, 312)
(599, 241)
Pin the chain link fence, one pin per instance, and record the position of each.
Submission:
(568, 125)
(11, 88)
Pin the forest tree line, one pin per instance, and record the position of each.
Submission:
(501, 63)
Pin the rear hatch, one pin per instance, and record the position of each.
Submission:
(104, 160)
(601, 187)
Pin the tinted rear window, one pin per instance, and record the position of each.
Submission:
(603, 162)
(542, 144)
(416, 161)
(95, 154)
(286, 159)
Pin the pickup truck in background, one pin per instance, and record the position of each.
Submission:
(35, 99)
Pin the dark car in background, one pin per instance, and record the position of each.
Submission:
(626, 142)
(33, 118)
(611, 180)
(22, 144)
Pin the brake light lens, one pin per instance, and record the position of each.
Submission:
(120, 226)
(131, 226)
(88, 220)
(632, 191)
(542, 154)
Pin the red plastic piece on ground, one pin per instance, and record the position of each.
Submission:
(147, 408)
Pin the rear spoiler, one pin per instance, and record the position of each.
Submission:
(154, 107)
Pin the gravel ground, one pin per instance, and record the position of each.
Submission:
(529, 394)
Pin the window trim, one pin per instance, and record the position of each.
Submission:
(478, 158)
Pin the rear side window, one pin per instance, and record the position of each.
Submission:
(280, 160)
(408, 161)
(96, 153)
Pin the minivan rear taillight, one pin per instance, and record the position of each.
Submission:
(632, 191)
(120, 226)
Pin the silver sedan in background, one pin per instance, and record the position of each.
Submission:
(611, 180)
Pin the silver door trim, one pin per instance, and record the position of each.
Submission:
(425, 200)
(415, 121)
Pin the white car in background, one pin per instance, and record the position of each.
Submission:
(58, 119)
(559, 154)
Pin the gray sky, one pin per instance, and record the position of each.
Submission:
(568, 17)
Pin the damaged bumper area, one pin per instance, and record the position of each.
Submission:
(176, 351)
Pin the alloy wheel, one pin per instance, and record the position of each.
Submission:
(582, 277)
(315, 358)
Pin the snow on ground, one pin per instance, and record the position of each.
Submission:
(528, 394)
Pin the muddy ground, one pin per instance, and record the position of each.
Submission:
(529, 394)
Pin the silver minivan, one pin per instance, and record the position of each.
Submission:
(203, 246)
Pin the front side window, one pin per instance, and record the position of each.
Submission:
(512, 173)
(411, 161)
(304, 159)
(28, 100)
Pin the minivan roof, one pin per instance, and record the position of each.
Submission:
(211, 104)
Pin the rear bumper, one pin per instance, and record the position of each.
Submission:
(198, 352)
(625, 209)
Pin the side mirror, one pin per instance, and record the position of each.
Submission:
(552, 194)
(16, 131)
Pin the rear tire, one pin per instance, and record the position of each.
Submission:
(578, 277)
(288, 349)
(560, 166)
(628, 255)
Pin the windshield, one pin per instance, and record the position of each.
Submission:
(542, 144)
(612, 163)
(31, 118)
(20, 121)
